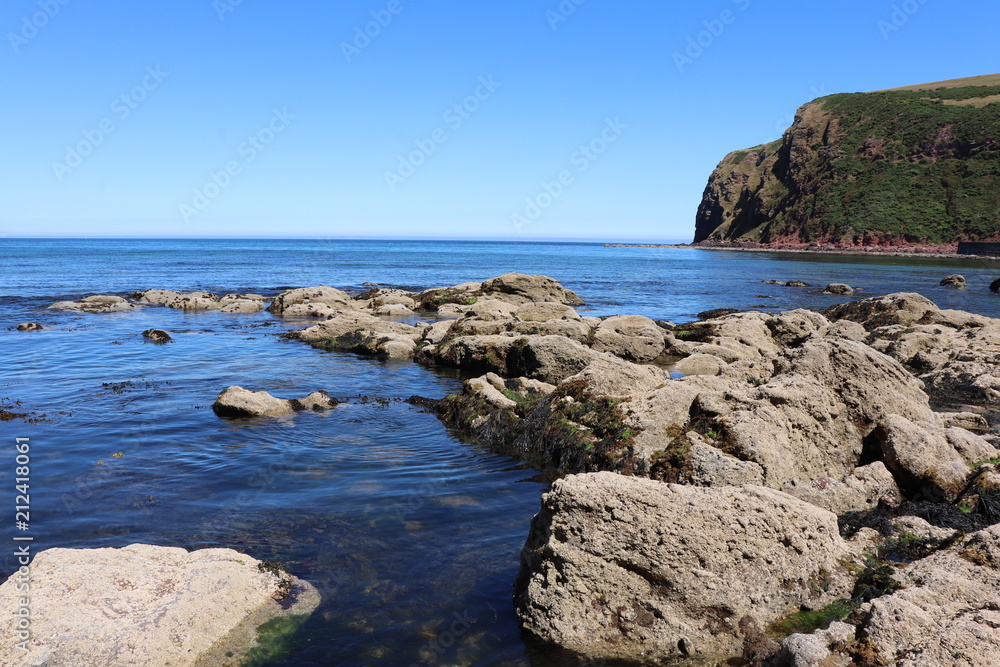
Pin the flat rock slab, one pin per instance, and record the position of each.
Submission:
(141, 605)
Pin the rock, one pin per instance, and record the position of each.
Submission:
(948, 612)
(930, 458)
(478, 354)
(816, 649)
(438, 331)
(995, 285)
(157, 335)
(797, 283)
(100, 303)
(608, 375)
(861, 491)
(716, 313)
(954, 280)
(970, 421)
(450, 299)
(743, 336)
(550, 359)
(619, 567)
(520, 288)
(242, 303)
(489, 392)
(838, 288)
(237, 402)
(157, 297)
(29, 326)
(902, 308)
(393, 310)
(545, 311)
(792, 328)
(699, 364)
(490, 310)
(323, 310)
(195, 301)
(357, 324)
(712, 467)
(322, 294)
(145, 605)
(630, 337)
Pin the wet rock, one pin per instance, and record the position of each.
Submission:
(355, 325)
(716, 313)
(489, 392)
(237, 402)
(157, 335)
(954, 280)
(838, 288)
(329, 296)
(797, 283)
(520, 288)
(995, 285)
(29, 326)
(145, 605)
(621, 567)
(630, 337)
(100, 303)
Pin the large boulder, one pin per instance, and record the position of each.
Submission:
(550, 359)
(630, 337)
(237, 402)
(609, 375)
(329, 296)
(619, 567)
(143, 605)
(520, 288)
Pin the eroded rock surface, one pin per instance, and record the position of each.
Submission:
(619, 567)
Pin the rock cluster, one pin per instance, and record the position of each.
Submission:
(144, 605)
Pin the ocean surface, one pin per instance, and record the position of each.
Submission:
(402, 526)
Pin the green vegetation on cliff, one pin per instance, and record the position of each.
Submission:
(911, 166)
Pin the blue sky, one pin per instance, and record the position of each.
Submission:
(524, 120)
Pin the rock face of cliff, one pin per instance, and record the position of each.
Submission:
(917, 166)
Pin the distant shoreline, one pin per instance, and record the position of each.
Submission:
(926, 251)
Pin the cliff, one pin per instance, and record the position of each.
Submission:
(910, 166)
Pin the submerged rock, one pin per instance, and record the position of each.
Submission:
(954, 280)
(157, 335)
(144, 605)
(627, 568)
(237, 402)
(838, 288)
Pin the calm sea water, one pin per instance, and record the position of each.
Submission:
(402, 526)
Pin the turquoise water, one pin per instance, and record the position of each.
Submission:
(399, 523)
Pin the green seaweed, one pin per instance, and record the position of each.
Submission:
(275, 640)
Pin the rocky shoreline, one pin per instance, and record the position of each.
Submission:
(747, 489)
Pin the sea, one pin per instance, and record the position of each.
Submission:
(411, 534)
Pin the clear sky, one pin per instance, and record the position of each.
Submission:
(521, 119)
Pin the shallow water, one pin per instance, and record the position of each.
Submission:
(400, 524)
